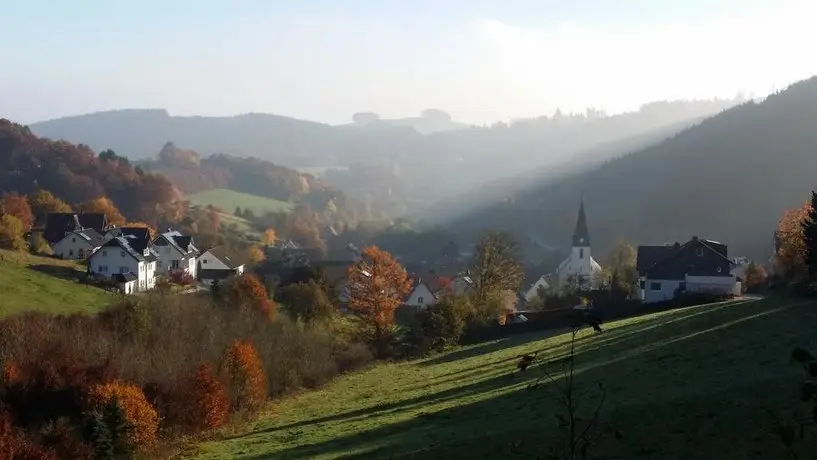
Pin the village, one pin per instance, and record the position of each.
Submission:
(130, 260)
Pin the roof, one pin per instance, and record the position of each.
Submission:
(124, 243)
(124, 277)
(181, 242)
(581, 236)
(220, 253)
(58, 224)
(673, 251)
(94, 238)
(137, 237)
(648, 256)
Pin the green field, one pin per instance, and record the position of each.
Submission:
(227, 200)
(695, 383)
(44, 284)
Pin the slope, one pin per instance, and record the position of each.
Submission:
(728, 178)
(30, 283)
(693, 383)
(228, 200)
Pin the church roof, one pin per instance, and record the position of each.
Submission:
(581, 236)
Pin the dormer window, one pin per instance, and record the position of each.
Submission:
(146, 252)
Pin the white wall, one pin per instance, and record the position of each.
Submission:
(118, 261)
(579, 263)
(421, 296)
(666, 290)
(70, 246)
(711, 284)
(533, 292)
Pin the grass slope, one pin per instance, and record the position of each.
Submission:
(227, 200)
(691, 383)
(40, 283)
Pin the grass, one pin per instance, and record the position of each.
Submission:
(227, 200)
(694, 383)
(29, 283)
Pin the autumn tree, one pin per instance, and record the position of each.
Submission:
(307, 301)
(104, 205)
(44, 203)
(810, 238)
(496, 267)
(269, 237)
(255, 254)
(248, 383)
(214, 218)
(17, 205)
(621, 268)
(247, 290)
(754, 276)
(11, 233)
(378, 284)
(791, 254)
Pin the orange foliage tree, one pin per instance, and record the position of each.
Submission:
(17, 205)
(44, 203)
(378, 284)
(754, 276)
(269, 236)
(255, 254)
(790, 259)
(248, 383)
(138, 411)
(208, 402)
(248, 289)
(105, 206)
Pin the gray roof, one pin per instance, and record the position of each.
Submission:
(178, 241)
(124, 277)
(124, 243)
(220, 253)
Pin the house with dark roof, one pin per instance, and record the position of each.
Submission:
(176, 252)
(216, 264)
(78, 244)
(125, 255)
(697, 266)
(58, 224)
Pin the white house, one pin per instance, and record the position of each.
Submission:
(580, 267)
(214, 264)
(421, 296)
(532, 294)
(175, 252)
(78, 244)
(126, 282)
(124, 255)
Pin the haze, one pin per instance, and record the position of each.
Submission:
(479, 60)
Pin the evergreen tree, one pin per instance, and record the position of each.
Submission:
(98, 435)
(810, 238)
(119, 429)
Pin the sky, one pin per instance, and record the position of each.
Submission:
(480, 60)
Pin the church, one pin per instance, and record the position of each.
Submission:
(580, 268)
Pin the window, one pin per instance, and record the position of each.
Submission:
(719, 269)
(103, 268)
(581, 253)
(682, 286)
(167, 250)
(420, 300)
(122, 253)
(74, 239)
(204, 261)
(699, 252)
(70, 253)
(655, 286)
(642, 284)
(123, 269)
(104, 253)
(174, 264)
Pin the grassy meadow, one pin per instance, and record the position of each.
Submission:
(696, 383)
(227, 200)
(31, 283)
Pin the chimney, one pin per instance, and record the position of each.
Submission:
(695, 238)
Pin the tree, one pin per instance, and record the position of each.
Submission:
(11, 233)
(307, 301)
(269, 237)
(17, 206)
(214, 217)
(44, 203)
(248, 290)
(495, 267)
(104, 205)
(621, 268)
(809, 225)
(754, 276)
(255, 254)
(238, 212)
(791, 254)
(248, 383)
(377, 286)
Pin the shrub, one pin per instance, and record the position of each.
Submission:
(440, 325)
(139, 414)
(308, 301)
(206, 403)
(7, 440)
(248, 384)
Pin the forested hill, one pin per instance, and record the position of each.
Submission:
(729, 178)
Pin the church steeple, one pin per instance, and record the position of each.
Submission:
(581, 236)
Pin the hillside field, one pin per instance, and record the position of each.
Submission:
(227, 200)
(696, 383)
(44, 284)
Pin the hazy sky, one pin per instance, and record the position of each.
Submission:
(481, 60)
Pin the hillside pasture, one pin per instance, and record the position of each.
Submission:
(696, 383)
(228, 200)
(31, 283)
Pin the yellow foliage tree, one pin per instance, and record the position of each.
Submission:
(269, 236)
(790, 259)
(255, 254)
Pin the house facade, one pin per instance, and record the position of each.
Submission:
(175, 252)
(532, 294)
(123, 256)
(215, 265)
(698, 266)
(78, 244)
(420, 296)
(580, 269)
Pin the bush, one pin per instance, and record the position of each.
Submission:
(206, 403)
(138, 412)
(248, 384)
(440, 325)
(307, 302)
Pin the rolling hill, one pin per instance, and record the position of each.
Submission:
(228, 200)
(696, 383)
(728, 178)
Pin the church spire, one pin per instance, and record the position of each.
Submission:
(581, 236)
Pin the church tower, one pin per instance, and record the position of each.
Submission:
(580, 267)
